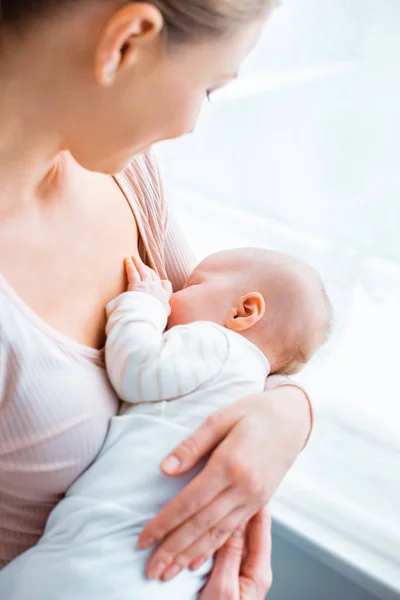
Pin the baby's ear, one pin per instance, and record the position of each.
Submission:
(250, 310)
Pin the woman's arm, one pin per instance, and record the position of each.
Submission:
(279, 381)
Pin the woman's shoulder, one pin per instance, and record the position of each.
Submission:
(141, 183)
(142, 177)
(144, 164)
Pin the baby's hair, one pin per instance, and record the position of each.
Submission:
(284, 282)
(294, 358)
(185, 20)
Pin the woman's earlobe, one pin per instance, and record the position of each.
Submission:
(110, 70)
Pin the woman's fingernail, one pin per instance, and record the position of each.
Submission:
(156, 571)
(198, 563)
(171, 464)
(172, 572)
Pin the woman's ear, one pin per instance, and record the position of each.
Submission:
(249, 311)
(134, 25)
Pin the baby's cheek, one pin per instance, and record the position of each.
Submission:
(177, 316)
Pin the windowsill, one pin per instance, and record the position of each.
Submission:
(340, 502)
(360, 564)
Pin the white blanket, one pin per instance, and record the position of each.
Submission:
(88, 549)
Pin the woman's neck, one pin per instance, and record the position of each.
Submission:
(30, 142)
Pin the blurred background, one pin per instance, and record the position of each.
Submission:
(302, 154)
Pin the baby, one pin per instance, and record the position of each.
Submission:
(174, 359)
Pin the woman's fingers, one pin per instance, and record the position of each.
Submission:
(217, 533)
(224, 579)
(235, 471)
(189, 516)
(188, 503)
(206, 519)
(212, 541)
(242, 568)
(256, 571)
(201, 490)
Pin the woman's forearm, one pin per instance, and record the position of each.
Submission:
(295, 405)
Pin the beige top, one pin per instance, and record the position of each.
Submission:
(55, 398)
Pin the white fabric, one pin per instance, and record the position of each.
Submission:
(88, 550)
(200, 367)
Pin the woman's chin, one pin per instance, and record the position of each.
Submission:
(113, 166)
(110, 165)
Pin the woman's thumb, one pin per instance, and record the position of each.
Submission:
(198, 444)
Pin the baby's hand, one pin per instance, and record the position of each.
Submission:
(143, 279)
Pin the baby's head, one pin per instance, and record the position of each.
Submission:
(274, 300)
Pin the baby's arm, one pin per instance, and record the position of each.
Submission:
(144, 363)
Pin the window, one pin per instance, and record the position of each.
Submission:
(302, 154)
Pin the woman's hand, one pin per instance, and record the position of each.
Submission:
(254, 443)
(242, 568)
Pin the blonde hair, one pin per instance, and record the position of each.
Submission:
(185, 20)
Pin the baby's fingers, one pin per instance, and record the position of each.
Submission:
(144, 271)
(167, 287)
(132, 273)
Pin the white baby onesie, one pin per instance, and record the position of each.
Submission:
(170, 381)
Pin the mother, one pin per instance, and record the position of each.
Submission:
(85, 85)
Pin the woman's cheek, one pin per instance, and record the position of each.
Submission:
(187, 115)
